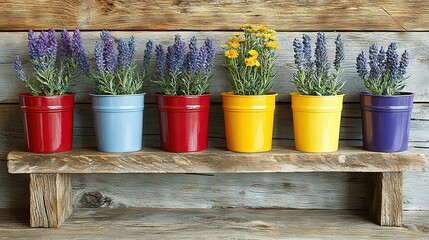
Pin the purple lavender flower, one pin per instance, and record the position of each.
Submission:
(403, 64)
(132, 47)
(105, 36)
(321, 54)
(108, 51)
(19, 69)
(373, 52)
(307, 50)
(190, 63)
(339, 53)
(42, 45)
(77, 42)
(124, 54)
(208, 43)
(361, 65)
(79, 52)
(381, 57)
(160, 61)
(52, 44)
(148, 52)
(98, 55)
(375, 71)
(202, 59)
(66, 50)
(32, 45)
(176, 56)
(392, 61)
(298, 48)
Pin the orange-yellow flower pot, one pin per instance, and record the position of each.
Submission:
(248, 121)
(316, 122)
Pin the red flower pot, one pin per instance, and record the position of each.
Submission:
(183, 122)
(48, 122)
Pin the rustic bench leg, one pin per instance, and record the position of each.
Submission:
(50, 199)
(385, 198)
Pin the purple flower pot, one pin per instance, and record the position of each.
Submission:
(386, 121)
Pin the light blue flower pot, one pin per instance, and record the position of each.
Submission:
(118, 122)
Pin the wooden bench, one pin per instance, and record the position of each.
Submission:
(51, 174)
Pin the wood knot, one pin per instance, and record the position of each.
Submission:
(94, 200)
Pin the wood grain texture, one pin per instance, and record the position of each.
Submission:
(50, 199)
(215, 160)
(417, 44)
(385, 198)
(263, 190)
(288, 15)
(137, 223)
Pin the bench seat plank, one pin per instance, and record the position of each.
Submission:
(215, 160)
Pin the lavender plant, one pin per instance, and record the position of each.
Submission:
(185, 73)
(313, 77)
(386, 74)
(53, 74)
(117, 73)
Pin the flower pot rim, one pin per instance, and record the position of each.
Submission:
(230, 93)
(182, 96)
(401, 94)
(26, 94)
(313, 96)
(118, 95)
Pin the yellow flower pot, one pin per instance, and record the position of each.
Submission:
(248, 121)
(316, 122)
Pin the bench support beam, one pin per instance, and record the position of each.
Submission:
(50, 199)
(385, 198)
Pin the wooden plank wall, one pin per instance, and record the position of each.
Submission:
(360, 22)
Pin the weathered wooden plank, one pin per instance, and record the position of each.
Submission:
(11, 132)
(215, 15)
(385, 198)
(215, 160)
(50, 199)
(136, 223)
(417, 43)
(265, 190)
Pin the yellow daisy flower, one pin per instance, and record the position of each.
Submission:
(273, 38)
(271, 31)
(247, 25)
(231, 53)
(270, 36)
(251, 62)
(272, 45)
(263, 29)
(235, 45)
(254, 53)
